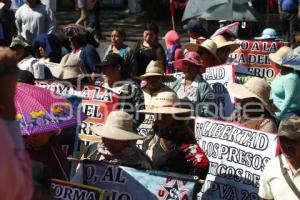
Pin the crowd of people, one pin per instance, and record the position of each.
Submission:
(141, 78)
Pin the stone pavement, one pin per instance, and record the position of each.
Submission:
(132, 24)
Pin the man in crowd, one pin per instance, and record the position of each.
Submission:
(283, 172)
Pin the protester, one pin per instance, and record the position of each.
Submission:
(255, 110)
(120, 84)
(85, 6)
(7, 18)
(117, 144)
(269, 34)
(224, 47)
(41, 176)
(118, 37)
(83, 46)
(195, 31)
(16, 181)
(289, 18)
(174, 51)
(42, 147)
(284, 88)
(25, 60)
(281, 173)
(297, 39)
(46, 47)
(148, 49)
(172, 145)
(155, 84)
(192, 87)
(34, 18)
(94, 22)
(207, 50)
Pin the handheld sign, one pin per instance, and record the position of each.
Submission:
(237, 158)
(129, 184)
(64, 190)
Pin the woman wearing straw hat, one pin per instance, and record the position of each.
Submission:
(224, 47)
(207, 50)
(116, 144)
(256, 109)
(285, 86)
(192, 87)
(172, 145)
(155, 78)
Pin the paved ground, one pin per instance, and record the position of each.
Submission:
(132, 24)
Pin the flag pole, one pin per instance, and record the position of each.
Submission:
(172, 14)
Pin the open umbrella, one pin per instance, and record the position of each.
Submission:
(196, 8)
(231, 11)
(41, 111)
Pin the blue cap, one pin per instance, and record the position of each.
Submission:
(195, 26)
(268, 33)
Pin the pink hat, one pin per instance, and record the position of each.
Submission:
(171, 38)
(191, 57)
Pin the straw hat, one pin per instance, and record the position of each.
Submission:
(208, 45)
(155, 68)
(279, 54)
(221, 42)
(165, 103)
(118, 126)
(69, 67)
(1, 5)
(254, 87)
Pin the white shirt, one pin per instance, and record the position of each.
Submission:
(273, 184)
(190, 93)
(31, 22)
(33, 65)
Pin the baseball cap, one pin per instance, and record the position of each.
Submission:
(195, 26)
(19, 41)
(112, 59)
(290, 128)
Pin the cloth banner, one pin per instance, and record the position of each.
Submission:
(237, 158)
(127, 183)
(254, 55)
(64, 190)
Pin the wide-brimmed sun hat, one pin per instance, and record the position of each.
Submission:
(118, 126)
(290, 128)
(221, 42)
(292, 59)
(69, 67)
(155, 68)
(267, 34)
(208, 45)
(19, 41)
(190, 57)
(165, 103)
(254, 88)
(279, 54)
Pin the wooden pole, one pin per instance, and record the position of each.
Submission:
(268, 14)
(172, 14)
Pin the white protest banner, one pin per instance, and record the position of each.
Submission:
(237, 158)
(255, 55)
(126, 183)
(64, 190)
(218, 78)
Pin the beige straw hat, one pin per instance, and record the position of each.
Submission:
(166, 103)
(221, 42)
(279, 54)
(118, 126)
(254, 87)
(208, 45)
(69, 67)
(155, 68)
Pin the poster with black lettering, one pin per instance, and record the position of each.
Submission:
(237, 158)
(125, 183)
(64, 190)
(255, 55)
(218, 78)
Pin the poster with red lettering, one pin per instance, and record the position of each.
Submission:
(255, 55)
